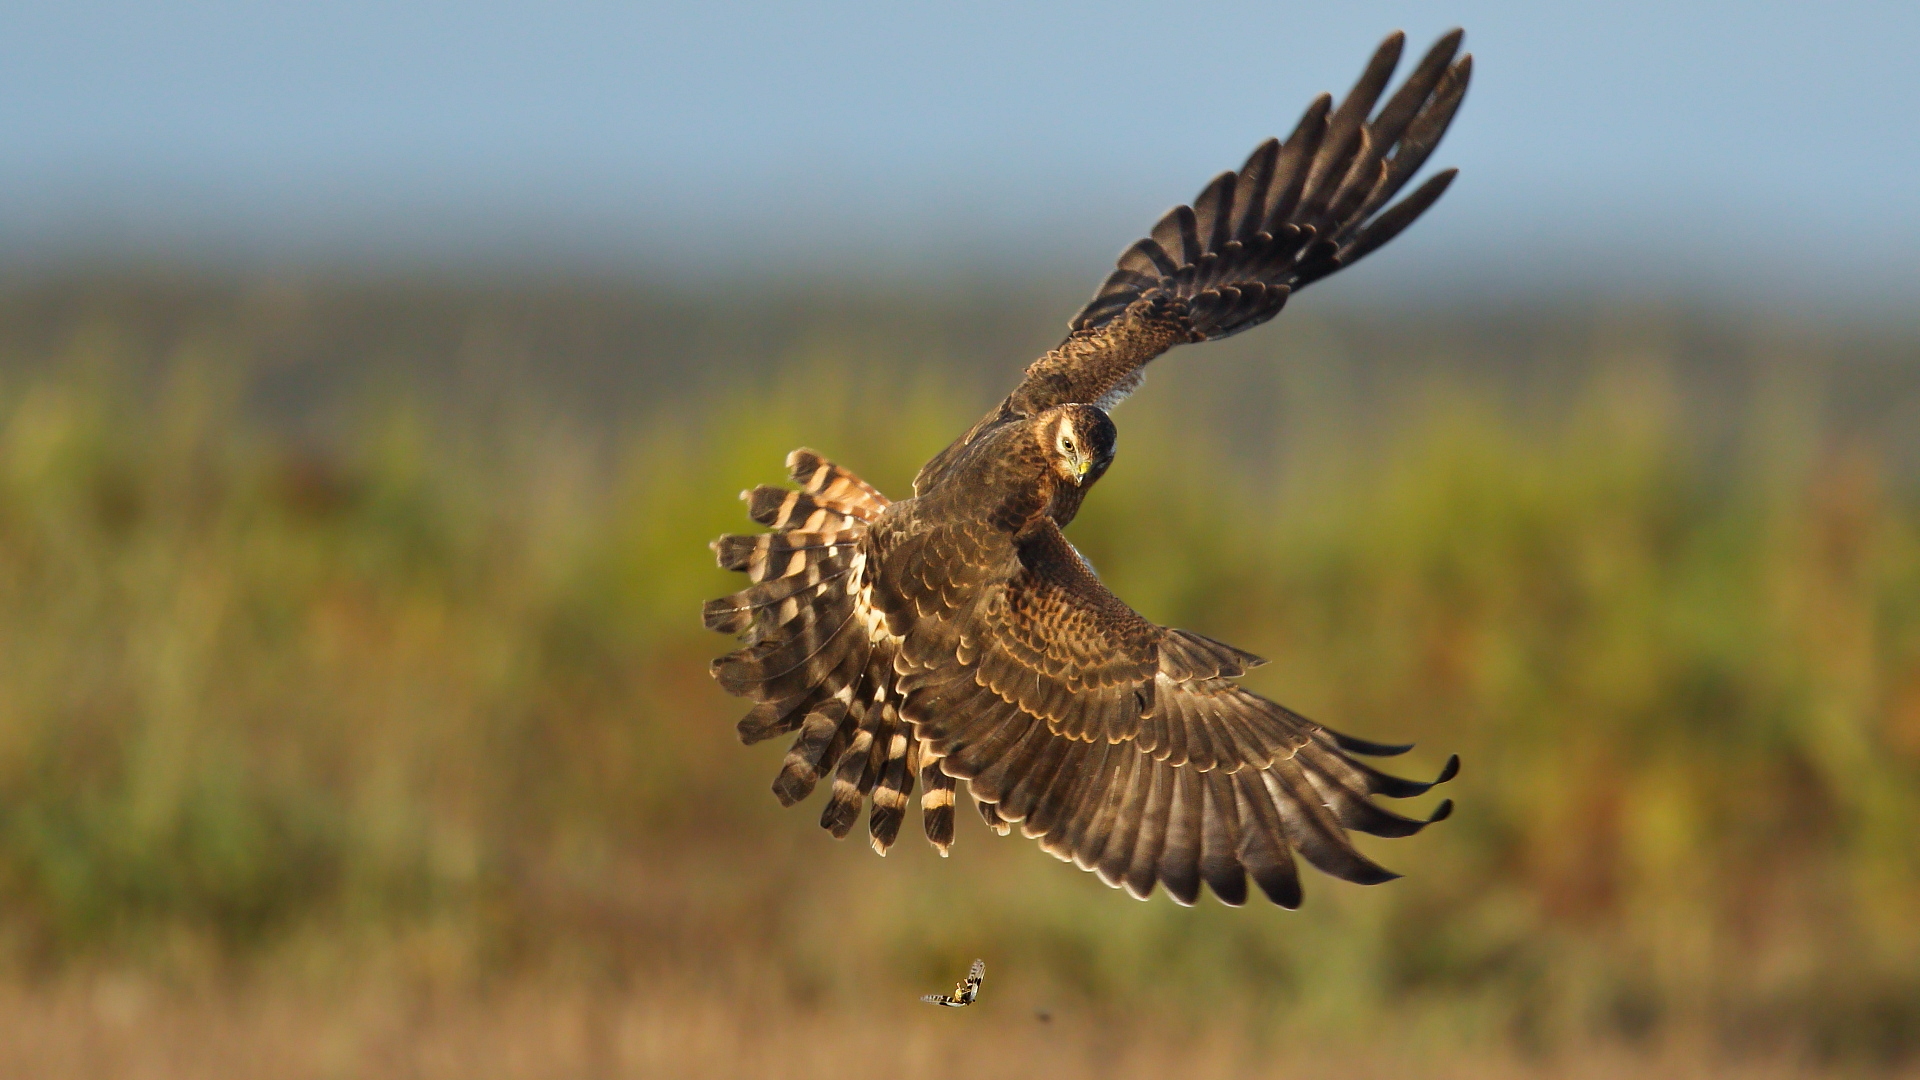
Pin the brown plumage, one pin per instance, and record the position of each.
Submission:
(957, 635)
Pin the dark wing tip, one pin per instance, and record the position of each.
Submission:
(1185, 894)
(1441, 812)
(1286, 894)
(1354, 745)
(1387, 53)
(1450, 770)
(1229, 884)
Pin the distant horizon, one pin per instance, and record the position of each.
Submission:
(1884, 304)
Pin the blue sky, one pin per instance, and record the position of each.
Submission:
(1763, 149)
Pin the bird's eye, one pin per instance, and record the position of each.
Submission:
(1067, 445)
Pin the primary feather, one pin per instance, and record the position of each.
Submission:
(957, 635)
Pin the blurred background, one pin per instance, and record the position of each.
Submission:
(372, 377)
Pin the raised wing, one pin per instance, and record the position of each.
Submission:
(1128, 748)
(964, 991)
(1294, 213)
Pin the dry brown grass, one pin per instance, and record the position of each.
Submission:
(408, 736)
(127, 1027)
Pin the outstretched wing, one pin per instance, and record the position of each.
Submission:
(1129, 749)
(1294, 213)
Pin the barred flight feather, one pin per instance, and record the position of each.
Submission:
(936, 806)
(817, 657)
(957, 635)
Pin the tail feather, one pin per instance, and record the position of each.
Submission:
(789, 510)
(936, 806)
(834, 487)
(815, 753)
(771, 718)
(764, 607)
(895, 786)
(822, 736)
(773, 556)
(777, 668)
(858, 770)
(812, 661)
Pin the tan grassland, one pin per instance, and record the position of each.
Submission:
(385, 747)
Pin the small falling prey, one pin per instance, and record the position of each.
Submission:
(963, 992)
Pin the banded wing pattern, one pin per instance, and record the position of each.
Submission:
(1294, 213)
(1130, 749)
(817, 659)
(957, 635)
(964, 991)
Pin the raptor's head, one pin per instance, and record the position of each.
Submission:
(1077, 441)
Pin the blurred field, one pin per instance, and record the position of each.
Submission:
(354, 716)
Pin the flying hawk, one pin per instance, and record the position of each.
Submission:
(957, 635)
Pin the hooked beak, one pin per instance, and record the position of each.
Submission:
(1080, 470)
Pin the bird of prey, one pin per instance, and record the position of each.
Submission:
(964, 991)
(957, 635)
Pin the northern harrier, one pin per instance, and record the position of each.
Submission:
(957, 635)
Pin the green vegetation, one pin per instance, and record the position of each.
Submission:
(435, 682)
